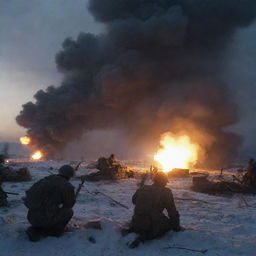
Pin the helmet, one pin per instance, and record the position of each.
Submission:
(160, 178)
(67, 171)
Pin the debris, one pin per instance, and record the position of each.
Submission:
(186, 249)
(190, 199)
(203, 185)
(178, 173)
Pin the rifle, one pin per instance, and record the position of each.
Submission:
(80, 187)
(113, 200)
(186, 249)
(11, 193)
(103, 194)
(78, 165)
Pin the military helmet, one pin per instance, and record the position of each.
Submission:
(160, 178)
(67, 171)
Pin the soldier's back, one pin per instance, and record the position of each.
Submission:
(47, 192)
(150, 198)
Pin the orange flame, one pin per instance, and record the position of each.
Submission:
(176, 152)
(37, 155)
(25, 140)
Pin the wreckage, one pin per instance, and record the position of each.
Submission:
(203, 185)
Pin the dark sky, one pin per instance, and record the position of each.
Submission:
(31, 33)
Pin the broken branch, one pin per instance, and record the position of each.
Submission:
(186, 249)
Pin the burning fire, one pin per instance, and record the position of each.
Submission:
(176, 152)
(37, 155)
(25, 140)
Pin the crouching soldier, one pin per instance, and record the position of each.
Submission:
(148, 220)
(49, 202)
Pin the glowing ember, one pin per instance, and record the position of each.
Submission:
(25, 140)
(37, 155)
(176, 152)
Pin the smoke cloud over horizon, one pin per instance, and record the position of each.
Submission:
(157, 68)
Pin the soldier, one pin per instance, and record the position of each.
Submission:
(148, 220)
(50, 203)
(250, 176)
(2, 159)
(109, 169)
(3, 196)
(112, 161)
(2, 167)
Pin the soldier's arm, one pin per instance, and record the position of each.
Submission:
(172, 211)
(68, 196)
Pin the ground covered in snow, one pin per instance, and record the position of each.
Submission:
(224, 226)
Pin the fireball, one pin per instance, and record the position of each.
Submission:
(25, 140)
(176, 152)
(37, 155)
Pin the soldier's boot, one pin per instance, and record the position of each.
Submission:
(55, 231)
(126, 230)
(135, 243)
(34, 234)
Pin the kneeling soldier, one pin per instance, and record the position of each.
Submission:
(50, 203)
(148, 220)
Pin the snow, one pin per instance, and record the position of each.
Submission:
(223, 226)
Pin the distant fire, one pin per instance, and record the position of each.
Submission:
(25, 140)
(37, 155)
(176, 152)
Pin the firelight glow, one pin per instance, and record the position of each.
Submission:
(25, 140)
(176, 152)
(37, 155)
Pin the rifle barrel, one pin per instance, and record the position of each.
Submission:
(11, 193)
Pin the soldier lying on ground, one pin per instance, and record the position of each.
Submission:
(10, 174)
(148, 219)
(49, 202)
(109, 169)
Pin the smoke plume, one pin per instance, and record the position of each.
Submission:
(156, 68)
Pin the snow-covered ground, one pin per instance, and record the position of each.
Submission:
(225, 226)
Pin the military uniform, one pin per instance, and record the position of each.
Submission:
(250, 176)
(149, 219)
(50, 203)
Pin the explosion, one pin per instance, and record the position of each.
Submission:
(37, 155)
(25, 140)
(176, 152)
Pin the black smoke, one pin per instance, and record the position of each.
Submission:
(157, 67)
